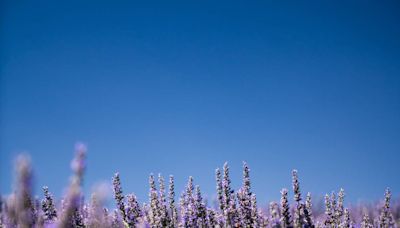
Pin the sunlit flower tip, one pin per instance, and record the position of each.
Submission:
(23, 165)
(78, 164)
(80, 147)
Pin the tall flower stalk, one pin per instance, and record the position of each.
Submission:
(171, 198)
(48, 206)
(285, 219)
(298, 220)
(24, 200)
(119, 196)
(71, 215)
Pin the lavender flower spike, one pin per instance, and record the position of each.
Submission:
(340, 207)
(24, 206)
(308, 211)
(244, 198)
(366, 222)
(119, 196)
(285, 220)
(346, 219)
(298, 220)
(385, 216)
(171, 199)
(48, 206)
(164, 217)
(155, 212)
(220, 192)
(328, 211)
(71, 215)
(133, 211)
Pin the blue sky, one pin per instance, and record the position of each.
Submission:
(180, 88)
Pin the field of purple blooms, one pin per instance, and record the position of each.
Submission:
(233, 208)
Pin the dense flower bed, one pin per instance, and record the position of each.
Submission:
(233, 209)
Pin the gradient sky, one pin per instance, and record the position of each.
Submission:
(180, 88)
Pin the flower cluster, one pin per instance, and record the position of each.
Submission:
(232, 208)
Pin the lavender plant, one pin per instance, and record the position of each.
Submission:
(285, 218)
(172, 208)
(309, 221)
(22, 209)
(48, 207)
(298, 220)
(119, 196)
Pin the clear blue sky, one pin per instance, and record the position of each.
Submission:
(180, 88)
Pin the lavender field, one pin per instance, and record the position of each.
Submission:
(233, 208)
(268, 114)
